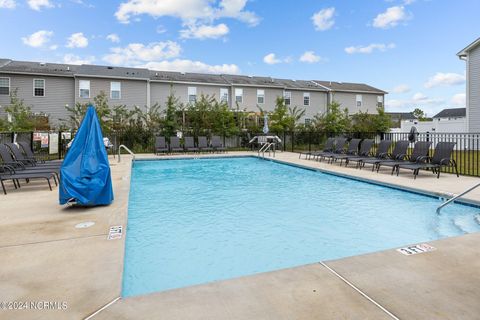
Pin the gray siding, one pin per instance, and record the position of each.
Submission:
(59, 91)
(473, 109)
(133, 92)
(159, 91)
(318, 102)
(348, 100)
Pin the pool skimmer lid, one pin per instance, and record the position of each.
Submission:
(83, 225)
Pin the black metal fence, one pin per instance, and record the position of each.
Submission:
(53, 145)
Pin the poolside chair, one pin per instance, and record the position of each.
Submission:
(442, 157)
(15, 177)
(189, 145)
(364, 152)
(338, 149)
(217, 144)
(329, 144)
(399, 152)
(14, 166)
(30, 155)
(20, 157)
(351, 151)
(174, 145)
(419, 153)
(203, 144)
(160, 145)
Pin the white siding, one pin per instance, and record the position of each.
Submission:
(473, 109)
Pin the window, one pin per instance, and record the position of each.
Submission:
(308, 121)
(224, 95)
(115, 90)
(287, 95)
(84, 88)
(192, 94)
(5, 86)
(359, 100)
(260, 96)
(306, 98)
(239, 95)
(38, 87)
(380, 101)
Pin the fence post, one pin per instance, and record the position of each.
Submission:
(59, 142)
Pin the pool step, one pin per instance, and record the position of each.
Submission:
(467, 224)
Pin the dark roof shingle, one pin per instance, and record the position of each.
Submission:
(451, 113)
(348, 87)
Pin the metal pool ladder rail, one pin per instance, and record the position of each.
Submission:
(267, 147)
(128, 150)
(456, 197)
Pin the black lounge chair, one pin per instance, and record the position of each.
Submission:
(380, 154)
(160, 145)
(21, 158)
(338, 149)
(175, 145)
(399, 152)
(442, 157)
(30, 155)
(15, 177)
(364, 152)
(351, 151)
(217, 144)
(329, 143)
(203, 144)
(189, 145)
(13, 166)
(419, 153)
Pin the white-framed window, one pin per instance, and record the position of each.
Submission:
(260, 96)
(224, 95)
(239, 95)
(192, 94)
(287, 95)
(308, 121)
(84, 89)
(115, 90)
(306, 98)
(380, 101)
(359, 98)
(5, 86)
(39, 87)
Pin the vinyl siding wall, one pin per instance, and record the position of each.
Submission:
(473, 109)
(59, 91)
(348, 100)
(159, 91)
(133, 92)
(318, 102)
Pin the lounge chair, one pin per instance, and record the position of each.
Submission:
(217, 144)
(398, 153)
(174, 145)
(442, 157)
(15, 177)
(203, 144)
(189, 145)
(338, 149)
(20, 157)
(13, 166)
(160, 145)
(30, 155)
(364, 151)
(419, 153)
(351, 151)
(381, 153)
(329, 144)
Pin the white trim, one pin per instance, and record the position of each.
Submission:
(89, 89)
(305, 94)
(44, 88)
(37, 74)
(9, 86)
(119, 91)
(467, 98)
(221, 96)
(241, 95)
(109, 77)
(193, 83)
(261, 95)
(289, 98)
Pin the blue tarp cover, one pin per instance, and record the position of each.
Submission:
(85, 173)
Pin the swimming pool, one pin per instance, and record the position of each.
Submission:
(200, 220)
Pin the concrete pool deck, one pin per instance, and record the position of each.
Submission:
(45, 258)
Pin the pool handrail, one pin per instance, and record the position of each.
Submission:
(456, 197)
(128, 150)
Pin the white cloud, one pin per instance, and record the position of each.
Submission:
(310, 57)
(77, 40)
(7, 4)
(271, 58)
(401, 88)
(418, 100)
(204, 31)
(370, 48)
(160, 29)
(113, 37)
(180, 65)
(74, 59)
(391, 18)
(188, 11)
(445, 79)
(38, 39)
(137, 53)
(39, 4)
(459, 100)
(324, 19)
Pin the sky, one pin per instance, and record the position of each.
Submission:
(405, 47)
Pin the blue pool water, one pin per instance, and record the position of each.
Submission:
(197, 221)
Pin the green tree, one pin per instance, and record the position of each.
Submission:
(20, 117)
(419, 114)
(223, 119)
(382, 122)
(334, 121)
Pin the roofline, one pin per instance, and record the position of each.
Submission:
(76, 75)
(193, 82)
(464, 51)
(342, 90)
(37, 73)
